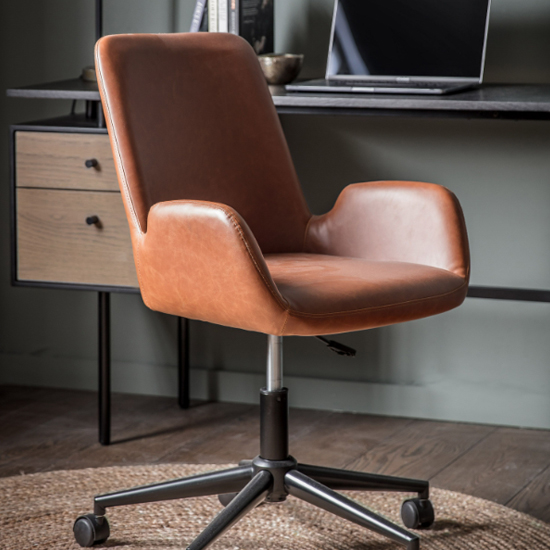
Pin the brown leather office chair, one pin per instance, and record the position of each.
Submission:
(222, 233)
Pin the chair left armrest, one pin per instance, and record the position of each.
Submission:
(394, 221)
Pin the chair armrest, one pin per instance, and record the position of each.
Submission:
(394, 221)
(200, 260)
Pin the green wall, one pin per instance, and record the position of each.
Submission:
(487, 361)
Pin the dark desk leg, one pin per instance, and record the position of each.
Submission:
(183, 362)
(104, 389)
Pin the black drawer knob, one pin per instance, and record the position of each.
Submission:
(91, 163)
(92, 220)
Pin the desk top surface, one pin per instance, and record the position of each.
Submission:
(76, 88)
(516, 100)
(489, 98)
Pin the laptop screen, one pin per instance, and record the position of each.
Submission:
(408, 38)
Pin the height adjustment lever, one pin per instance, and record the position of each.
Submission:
(338, 348)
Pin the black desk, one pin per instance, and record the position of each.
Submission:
(490, 101)
(507, 101)
(504, 101)
(511, 102)
(494, 101)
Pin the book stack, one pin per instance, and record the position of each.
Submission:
(251, 19)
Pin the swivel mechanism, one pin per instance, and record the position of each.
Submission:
(272, 476)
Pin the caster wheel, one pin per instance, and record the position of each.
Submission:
(226, 498)
(417, 513)
(91, 529)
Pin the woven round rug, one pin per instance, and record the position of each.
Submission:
(37, 511)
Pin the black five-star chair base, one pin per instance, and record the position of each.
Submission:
(272, 476)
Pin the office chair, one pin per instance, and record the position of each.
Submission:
(221, 233)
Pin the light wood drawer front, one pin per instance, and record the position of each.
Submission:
(56, 160)
(55, 244)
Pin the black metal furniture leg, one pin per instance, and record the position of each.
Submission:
(254, 492)
(344, 479)
(104, 367)
(183, 362)
(211, 483)
(98, 19)
(305, 488)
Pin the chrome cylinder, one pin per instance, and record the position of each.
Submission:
(274, 363)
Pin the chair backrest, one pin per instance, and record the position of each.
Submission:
(191, 117)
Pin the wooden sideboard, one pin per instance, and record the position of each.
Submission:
(70, 223)
(69, 228)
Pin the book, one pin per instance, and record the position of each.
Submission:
(233, 16)
(223, 25)
(213, 16)
(251, 19)
(198, 16)
(204, 24)
(255, 24)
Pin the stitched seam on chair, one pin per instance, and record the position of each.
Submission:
(306, 233)
(374, 308)
(238, 227)
(124, 177)
(119, 160)
(127, 194)
(284, 324)
(266, 282)
(463, 223)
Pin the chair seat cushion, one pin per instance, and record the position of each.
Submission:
(332, 294)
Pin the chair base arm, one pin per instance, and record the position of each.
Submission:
(272, 476)
(259, 479)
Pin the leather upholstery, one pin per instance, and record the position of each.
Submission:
(220, 228)
(394, 221)
(330, 294)
(201, 261)
(193, 118)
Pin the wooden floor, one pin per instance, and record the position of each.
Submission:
(45, 429)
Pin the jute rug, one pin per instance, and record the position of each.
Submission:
(37, 511)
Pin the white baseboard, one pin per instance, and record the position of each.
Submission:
(447, 400)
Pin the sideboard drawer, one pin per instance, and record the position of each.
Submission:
(55, 244)
(58, 161)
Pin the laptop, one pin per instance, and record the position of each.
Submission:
(404, 47)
